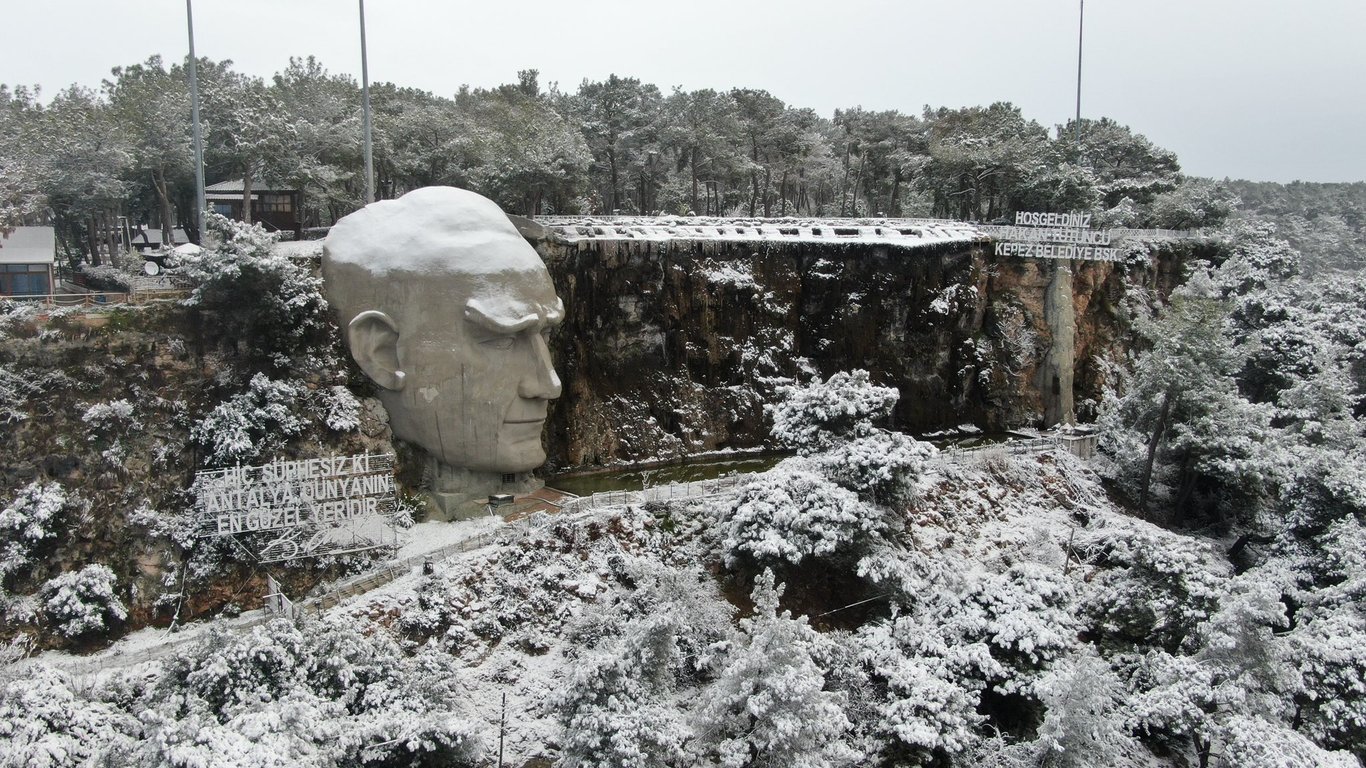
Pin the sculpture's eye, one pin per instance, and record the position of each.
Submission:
(500, 343)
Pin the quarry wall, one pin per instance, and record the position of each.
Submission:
(672, 347)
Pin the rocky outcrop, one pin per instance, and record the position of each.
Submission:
(672, 347)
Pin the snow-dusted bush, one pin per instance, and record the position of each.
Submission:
(1330, 654)
(103, 419)
(317, 695)
(83, 602)
(881, 467)
(1154, 588)
(340, 409)
(614, 709)
(44, 723)
(242, 427)
(16, 315)
(1251, 742)
(791, 513)
(1170, 698)
(1025, 616)
(811, 418)
(1251, 665)
(1084, 724)
(769, 706)
(28, 522)
(920, 710)
(268, 309)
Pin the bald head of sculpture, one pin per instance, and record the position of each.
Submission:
(447, 308)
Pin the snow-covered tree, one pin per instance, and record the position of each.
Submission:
(769, 706)
(84, 602)
(1183, 406)
(324, 694)
(241, 428)
(45, 723)
(791, 513)
(29, 521)
(920, 710)
(1252, 742)
(1084, 724)
(814, 417)
(615, 709)
(260, 305)
(881, 467)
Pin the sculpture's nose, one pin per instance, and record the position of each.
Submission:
(539, 381)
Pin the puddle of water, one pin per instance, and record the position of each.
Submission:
(635, 478)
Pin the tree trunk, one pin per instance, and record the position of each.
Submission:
(768, 197)
(92, 240)
(894, 207)
(782, 193)
(853, 207)
(844, 182)
(246, 194)
(1158, 428)
(164, 202)
(616, 184)
(692, 165)
(111, 220)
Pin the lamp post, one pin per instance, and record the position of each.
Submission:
(196, 132)
(365, 114)
(1081, 22)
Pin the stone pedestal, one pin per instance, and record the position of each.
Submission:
(455, 493)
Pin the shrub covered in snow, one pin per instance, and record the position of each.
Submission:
(1155, 587)
(881, 467)
(340, 409)
(244, 426)
(43, 722)
(84, 602)
(317, 695)
(28, 522)
(614, 707)
(102, 419)
(769, 706)
(791, 513)
(813, 417)
(265, 307)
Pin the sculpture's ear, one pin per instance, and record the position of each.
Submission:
(373, 338)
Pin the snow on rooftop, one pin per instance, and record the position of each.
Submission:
(904, 233)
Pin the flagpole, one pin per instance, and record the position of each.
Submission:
(196, 131)
(365, 115)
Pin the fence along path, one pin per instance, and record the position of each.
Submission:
(672, 492)
(89, 667)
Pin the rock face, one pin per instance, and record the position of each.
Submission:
(672, 347)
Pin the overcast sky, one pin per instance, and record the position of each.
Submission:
(1259, 89)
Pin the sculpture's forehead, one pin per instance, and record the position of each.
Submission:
(430, 230)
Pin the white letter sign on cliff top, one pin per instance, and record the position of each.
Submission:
(1054, 236)
(303, 508)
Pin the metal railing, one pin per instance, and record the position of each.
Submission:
(103, 299)
(665, 493)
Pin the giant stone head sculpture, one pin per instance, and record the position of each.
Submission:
(447, 308)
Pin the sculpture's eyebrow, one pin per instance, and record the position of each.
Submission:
(510, 325)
